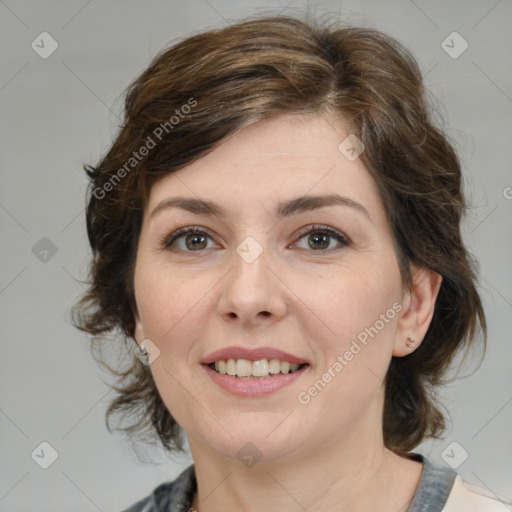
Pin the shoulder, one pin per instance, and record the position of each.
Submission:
(176, 495)
(466, 497)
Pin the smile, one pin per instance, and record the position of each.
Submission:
(248, 384)
(260, 369)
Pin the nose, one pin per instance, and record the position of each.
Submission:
(252, 293)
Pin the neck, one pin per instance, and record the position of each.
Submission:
(356, 474)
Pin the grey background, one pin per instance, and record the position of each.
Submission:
(59, 112)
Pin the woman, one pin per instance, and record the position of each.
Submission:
(277, 226)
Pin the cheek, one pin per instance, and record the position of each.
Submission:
(348, 304)
(355, 340)
(359, 317)
(169, 305)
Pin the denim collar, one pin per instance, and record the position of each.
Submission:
(434, 487)
(431, 494)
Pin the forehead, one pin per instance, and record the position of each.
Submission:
(272, 160)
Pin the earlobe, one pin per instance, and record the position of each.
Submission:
(139, 329)
(419, 306)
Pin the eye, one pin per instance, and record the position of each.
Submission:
(188, 239)
(196, 239)
(319, 238)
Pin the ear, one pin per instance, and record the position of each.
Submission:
(417, 310)
(139, 329)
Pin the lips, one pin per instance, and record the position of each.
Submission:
(255, 388)
(252, 355)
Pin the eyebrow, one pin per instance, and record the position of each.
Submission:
(284, 209)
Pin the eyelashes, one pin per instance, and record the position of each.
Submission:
(167, 241)
(326, 232)
(198, 236)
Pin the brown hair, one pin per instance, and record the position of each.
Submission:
(195, 95)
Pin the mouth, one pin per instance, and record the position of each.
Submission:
(254, 378)
(246, 369)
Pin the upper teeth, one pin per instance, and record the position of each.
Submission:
(260, 368)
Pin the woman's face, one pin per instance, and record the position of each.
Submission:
(317, 279)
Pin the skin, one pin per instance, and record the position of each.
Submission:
(311, 301)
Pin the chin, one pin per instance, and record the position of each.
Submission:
(267, 442)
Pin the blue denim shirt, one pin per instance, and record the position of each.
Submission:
(433, 490)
